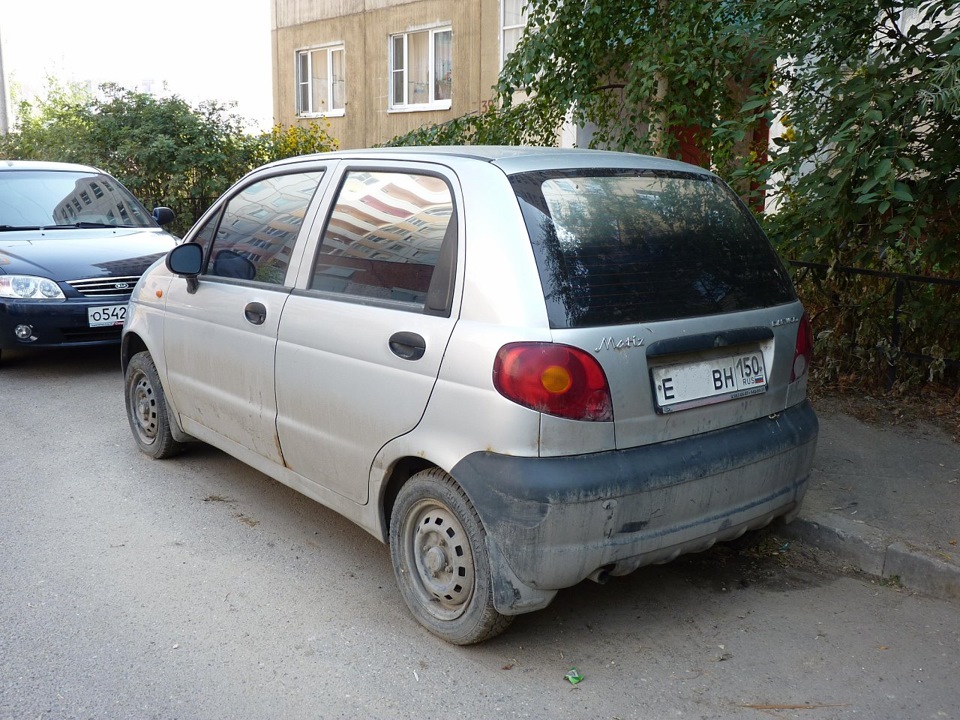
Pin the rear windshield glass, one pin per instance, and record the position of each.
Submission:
(55, 198)
(616, 247)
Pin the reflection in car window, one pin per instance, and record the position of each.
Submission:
(384, 235)
(57, 198)
(259, 228)
(618, 247)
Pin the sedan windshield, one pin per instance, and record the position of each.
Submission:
(31, 199)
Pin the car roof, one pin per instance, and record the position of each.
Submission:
(514, 159)
(45, 165)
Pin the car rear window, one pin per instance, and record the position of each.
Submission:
(620, 247)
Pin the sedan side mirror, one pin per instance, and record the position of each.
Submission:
(163, 215)
(186, 261)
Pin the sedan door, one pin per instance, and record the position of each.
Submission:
(361, 340)
(220, 338)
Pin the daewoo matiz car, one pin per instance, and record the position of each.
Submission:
(73, 243)
(520, 368)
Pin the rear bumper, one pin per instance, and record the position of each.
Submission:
(552, 522)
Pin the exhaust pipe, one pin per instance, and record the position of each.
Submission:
(600, 575)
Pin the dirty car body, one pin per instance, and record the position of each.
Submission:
(519, 367)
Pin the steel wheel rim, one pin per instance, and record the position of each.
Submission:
(143, 408)
(440, 559)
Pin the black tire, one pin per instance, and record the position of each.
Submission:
(147, 409)
(438, 548)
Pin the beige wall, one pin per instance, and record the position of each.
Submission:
(364, 28)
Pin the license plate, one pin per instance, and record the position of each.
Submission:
(709, 381)
(106, 315)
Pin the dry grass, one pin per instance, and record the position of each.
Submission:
(935, 405)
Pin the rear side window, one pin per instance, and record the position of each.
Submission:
(390, 237)
(622, 247)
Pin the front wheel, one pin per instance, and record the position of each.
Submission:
(147, 408)
(437, 544)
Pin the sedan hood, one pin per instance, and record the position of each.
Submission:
(73, 254)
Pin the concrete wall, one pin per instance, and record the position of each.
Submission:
(364, 27)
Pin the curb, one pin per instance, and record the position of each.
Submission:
(867, 548)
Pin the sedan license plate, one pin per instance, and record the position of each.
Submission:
(692, 384)
(106, 315)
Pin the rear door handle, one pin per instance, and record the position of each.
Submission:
(408, 345)
(255, 313)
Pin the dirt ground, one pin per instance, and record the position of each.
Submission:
(938, 405)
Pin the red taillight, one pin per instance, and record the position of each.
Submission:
(554, 379)
(803, 355)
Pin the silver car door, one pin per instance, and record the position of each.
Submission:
(360, 344)
(220, 340)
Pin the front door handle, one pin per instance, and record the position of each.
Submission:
(408, 345)
(255, 313)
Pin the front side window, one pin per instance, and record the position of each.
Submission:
(321, 81)
(256, 236)
(421, 69)
(513, 19)
(384, 238)
(622, 247)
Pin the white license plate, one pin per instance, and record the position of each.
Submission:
(709, 381)
(106, 315)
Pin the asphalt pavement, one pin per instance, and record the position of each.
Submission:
(885, 499)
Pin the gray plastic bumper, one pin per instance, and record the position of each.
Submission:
(552, 522)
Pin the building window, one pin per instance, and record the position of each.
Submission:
(421, 70)
(513, 19)
(321, 81)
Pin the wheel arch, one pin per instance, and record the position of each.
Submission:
(400, 472)
(130, 346)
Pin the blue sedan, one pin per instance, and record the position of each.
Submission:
(73, 243)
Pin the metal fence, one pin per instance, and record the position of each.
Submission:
(899, 284)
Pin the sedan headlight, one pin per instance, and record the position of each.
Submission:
(28, 287)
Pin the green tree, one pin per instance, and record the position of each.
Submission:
(868, 171)
(54, 128)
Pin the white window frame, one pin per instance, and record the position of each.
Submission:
(307, 83)
(432, 103)
(504, 28)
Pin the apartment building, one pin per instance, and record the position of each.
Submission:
(375, 69)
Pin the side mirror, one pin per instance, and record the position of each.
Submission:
(186, 261)
(163, 215)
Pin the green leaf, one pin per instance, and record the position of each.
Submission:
(906, 163)
(754, 104)
(902, 192)
(883, 168)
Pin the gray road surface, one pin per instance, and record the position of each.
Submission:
(198, 588)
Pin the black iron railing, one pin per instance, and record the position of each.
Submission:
(900, 282)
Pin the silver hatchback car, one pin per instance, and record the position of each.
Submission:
(519, 367)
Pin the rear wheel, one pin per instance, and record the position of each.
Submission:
(437, 544)
(147, 408)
